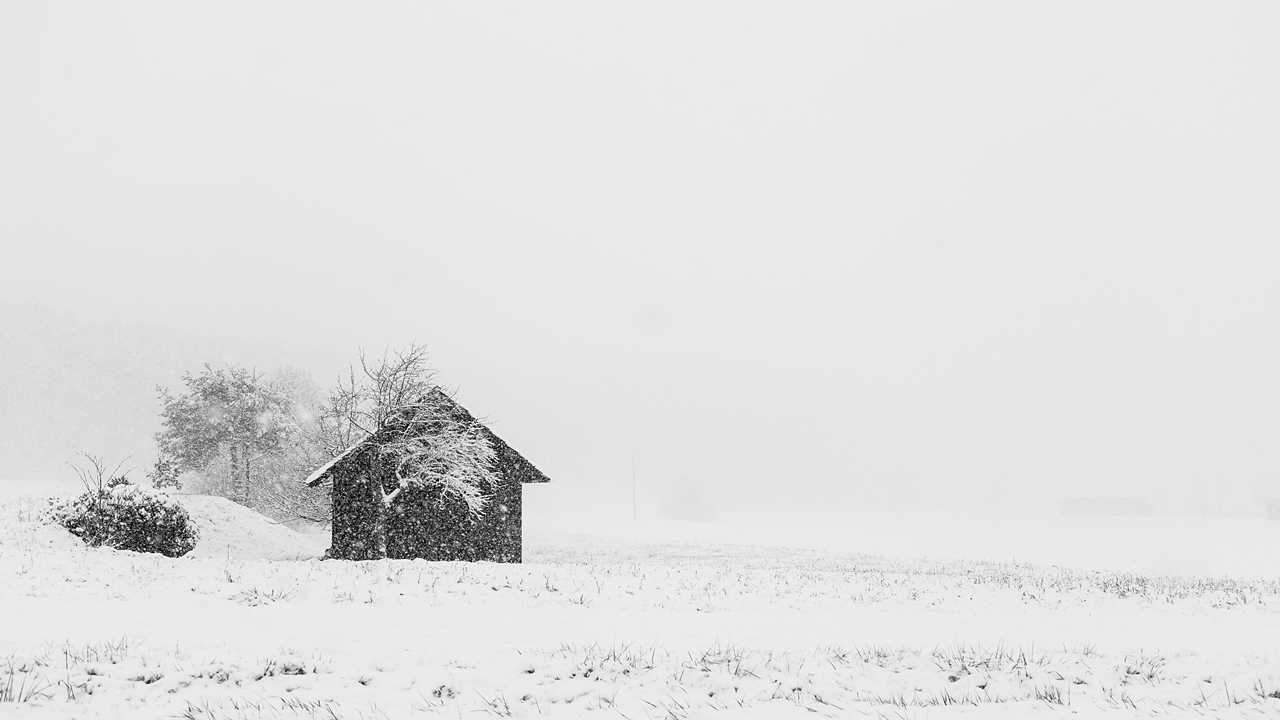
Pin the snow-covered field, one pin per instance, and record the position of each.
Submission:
(742, 619)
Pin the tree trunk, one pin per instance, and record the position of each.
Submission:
(239, 474)
(378, 534)
(247, 463)
(234, 451)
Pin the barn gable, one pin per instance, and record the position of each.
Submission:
(421, 524)
(512, 464)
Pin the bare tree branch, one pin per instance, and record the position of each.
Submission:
(95, 476)
(427, 446)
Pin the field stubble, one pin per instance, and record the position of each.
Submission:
(627, 628)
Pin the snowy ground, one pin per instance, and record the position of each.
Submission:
(617, 623)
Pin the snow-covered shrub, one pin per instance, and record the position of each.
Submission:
(127, 517)
(164, 474)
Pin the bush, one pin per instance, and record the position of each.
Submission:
(127, 517)
(164, 474)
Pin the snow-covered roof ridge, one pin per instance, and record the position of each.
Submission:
(324, 469)
(512, 464)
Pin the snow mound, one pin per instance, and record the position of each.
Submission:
(229, 529)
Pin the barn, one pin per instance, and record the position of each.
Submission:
(419, 524)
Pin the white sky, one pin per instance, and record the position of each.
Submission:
(885, 250)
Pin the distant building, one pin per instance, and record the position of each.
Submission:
(418, 525)
(1273, 509)
(1108, 507)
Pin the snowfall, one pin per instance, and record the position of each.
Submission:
(856, 615)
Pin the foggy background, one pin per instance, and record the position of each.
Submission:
(785, 255)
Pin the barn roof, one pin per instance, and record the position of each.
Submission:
(324, 469)
(512, 463)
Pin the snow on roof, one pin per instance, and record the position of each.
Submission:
(511, 463)
(324, 469)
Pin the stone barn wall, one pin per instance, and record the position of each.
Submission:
(418, 524)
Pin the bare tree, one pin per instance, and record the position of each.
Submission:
(94, 476)
(417, 433)
(279, 492)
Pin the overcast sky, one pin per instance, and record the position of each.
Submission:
(886, 252)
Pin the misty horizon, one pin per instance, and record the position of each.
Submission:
(817, 254)
(725, 359)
